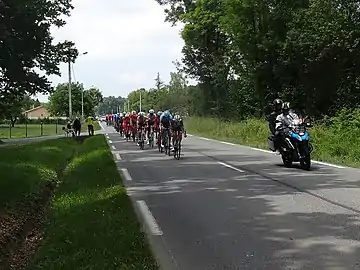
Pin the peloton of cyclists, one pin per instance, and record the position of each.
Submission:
(137, 123)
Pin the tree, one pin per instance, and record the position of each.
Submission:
(111, 104)
(27, 44)
(59, 100)
(158, 82)
(245, 53)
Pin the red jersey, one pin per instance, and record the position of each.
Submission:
(133, 118)
(126, 120)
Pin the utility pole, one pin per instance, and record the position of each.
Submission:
(82, 103)
(140, 100)
(70, 101)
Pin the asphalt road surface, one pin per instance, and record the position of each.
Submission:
(224, 206)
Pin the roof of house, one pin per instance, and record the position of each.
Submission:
(34, 109)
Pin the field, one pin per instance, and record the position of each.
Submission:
(35, 130)
(63, 206)
(337, 143)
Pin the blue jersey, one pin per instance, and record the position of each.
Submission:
(166, 120)
(162, 116)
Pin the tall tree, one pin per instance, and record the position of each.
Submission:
(59, 99)
(26, 44)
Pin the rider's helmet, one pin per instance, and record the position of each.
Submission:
(285, 107)
(121, 114)
(151, 111)
(133, 112)
(278, 103)
(159, 113)
(142, 114)
(177, 117)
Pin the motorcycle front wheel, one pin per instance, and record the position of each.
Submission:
(305, 162)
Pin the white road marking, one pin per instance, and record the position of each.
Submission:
(230, 167)
(228, 143)
(268, 152)
(100, 124)
(262, 150)
(329, 164)
(117, 155)
(113, 147)
(149, 218)
(126, 174)
(110, 141)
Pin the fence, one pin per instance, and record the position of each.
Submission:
(31, 128)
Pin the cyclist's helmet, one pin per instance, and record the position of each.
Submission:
(278, 103)
(177, 117)
(159, 113)
(133, 112)
(151, 111)
(141, 114)
(286, 107)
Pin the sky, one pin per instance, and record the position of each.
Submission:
(127, 43)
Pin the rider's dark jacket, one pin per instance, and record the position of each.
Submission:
(271, 118)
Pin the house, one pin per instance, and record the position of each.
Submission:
(37, 112)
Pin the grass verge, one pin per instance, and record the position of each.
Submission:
(90, 222)
(93, 225)
(332, 143)
(35, 130)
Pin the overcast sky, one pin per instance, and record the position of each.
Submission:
(127, 42)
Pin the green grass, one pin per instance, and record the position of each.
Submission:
(336, 144)
(34, 130)
(90, 223)
(93, 225)
(25, 169)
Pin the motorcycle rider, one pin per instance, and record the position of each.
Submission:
(284, 122)
(277, 107)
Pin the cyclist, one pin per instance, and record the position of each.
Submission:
(133, 122)
(165, 123)
(177, 127)
(141, 124)
(151, 117)
(126, 124)
(157, 126)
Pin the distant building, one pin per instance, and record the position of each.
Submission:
(37, 112)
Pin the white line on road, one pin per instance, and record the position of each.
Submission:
(228, 143)
(329, 164)
(126, 174)
(149, 218)
(117, 155)
(100, 124)
(262, 150)
(113, 147)
(110, 141)
(229, 166)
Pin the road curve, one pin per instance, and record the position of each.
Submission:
(232, 207)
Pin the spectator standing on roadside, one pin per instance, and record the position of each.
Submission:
(77, 126)
(90, 124)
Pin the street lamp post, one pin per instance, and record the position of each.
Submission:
(82, 96)
(70, 101)
(82, 91)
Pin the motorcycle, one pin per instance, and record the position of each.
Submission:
(297, 146)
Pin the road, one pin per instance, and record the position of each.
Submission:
(225, 206)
